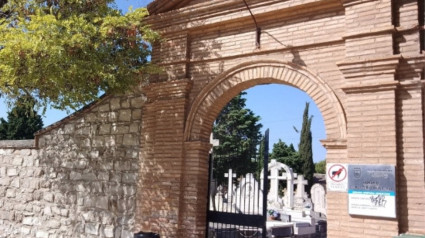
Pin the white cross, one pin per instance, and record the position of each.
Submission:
(213, 142)
(286, 175)
(300, 182)
(289, 187)
(230, 175)
(274, 181)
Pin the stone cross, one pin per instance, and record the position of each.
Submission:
(300, 182)
(230, 175)
(274, 168)
(289, 188)
(274, 181)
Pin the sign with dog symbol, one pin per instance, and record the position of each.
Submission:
(336, 177)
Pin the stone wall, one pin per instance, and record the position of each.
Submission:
(80, 180)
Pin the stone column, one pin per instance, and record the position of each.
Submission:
(162, 164)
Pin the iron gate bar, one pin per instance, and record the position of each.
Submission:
(235, 218)
(228, 220)
(265, 182)
(210, 176)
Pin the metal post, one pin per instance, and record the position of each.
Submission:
(266, 184)
(257, 29)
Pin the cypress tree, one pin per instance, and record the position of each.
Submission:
(22, 121)
(238, 130)
(305, 147)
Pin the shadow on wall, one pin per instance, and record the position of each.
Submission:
(293, 50)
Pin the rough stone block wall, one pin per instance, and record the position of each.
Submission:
(81, 179)
(20, 190)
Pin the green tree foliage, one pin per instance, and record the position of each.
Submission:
(2, 2)
(238, 130)
(287, 155)
(64, 52)
(320, 167)
(305, 147)
(22, 122)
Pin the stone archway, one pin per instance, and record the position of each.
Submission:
(208, 104)
(227, 85)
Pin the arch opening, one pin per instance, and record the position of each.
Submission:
(227, 85)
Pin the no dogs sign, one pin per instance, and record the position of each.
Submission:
(336, 177)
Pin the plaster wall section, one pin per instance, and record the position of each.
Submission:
(81, 180)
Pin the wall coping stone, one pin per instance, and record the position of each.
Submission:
(73, 116)
(17, 144)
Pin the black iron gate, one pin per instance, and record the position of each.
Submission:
(240, 212)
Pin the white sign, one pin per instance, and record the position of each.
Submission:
(372, 190)
(370, 203)
(336, 177)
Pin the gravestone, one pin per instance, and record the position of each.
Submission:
(273, 195)
(230, 175)
(249, 196)
(218, 199)
(289, 192)
(318, 197)
(300, 195)
(213, 182)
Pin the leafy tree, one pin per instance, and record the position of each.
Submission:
(287, 155)
(305, 147)
(2, 2)
(320, 167)
(65, 52)
(22, 122)
(238, 130)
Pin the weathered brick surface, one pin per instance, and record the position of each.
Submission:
(356, 58)
(162, 169)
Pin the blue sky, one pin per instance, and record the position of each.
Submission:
(279, 106)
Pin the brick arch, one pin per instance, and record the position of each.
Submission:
(227, 85)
